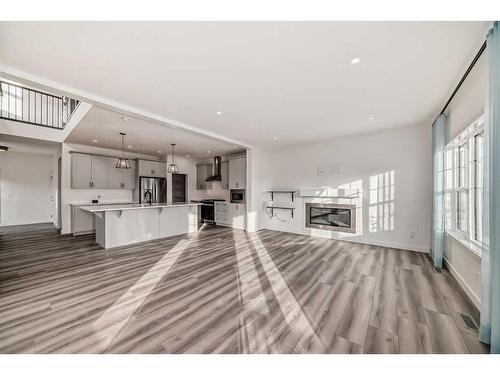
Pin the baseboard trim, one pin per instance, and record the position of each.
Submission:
(393, 245)
(24, 222)
(467, 290)
(396, 245)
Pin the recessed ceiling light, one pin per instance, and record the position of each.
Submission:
(159, 151)
(129, 146)
(219, 112)
(275, 138)
(125, 118)
(371, 118)
(188, 156)
(95, 140)
(209, 151)
(355, 60)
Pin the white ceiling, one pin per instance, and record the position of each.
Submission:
(144, 137)
(290, 80)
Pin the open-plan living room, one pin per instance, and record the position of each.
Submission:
(258, 187)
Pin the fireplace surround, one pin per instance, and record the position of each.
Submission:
(333, 217)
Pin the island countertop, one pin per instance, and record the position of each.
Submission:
(133, 206)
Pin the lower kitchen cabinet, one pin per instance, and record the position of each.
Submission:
(238, 215)
(82, 222)
(230, 215)
(222, 214)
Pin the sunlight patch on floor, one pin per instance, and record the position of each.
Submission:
(110, 323)
(294, 316)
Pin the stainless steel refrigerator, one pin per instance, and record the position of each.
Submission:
(152, 190)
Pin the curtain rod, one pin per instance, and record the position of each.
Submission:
(478, 55)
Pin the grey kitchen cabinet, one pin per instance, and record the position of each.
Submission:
(202, 172)
(129, 176)
(224, 171)
(99, 172)
(238, 173)
(150, 168)
(115, 175)
(81, 171)
(82, 222)
(119, 178)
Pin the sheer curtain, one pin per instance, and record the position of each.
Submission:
(439, 133)
(490, 259)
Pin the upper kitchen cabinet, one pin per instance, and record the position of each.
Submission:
(129, 176)
(149, 168)
(224, 171)
(88, 171)
(202, 172)
(238, 173)
(119, 178)
(81, 171)
(99, 172)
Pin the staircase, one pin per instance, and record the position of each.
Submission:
(29, 106)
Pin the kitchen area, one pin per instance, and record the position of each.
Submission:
(126, 197)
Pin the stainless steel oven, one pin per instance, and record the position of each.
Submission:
(237, 196)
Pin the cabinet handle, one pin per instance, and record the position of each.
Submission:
(237, 184)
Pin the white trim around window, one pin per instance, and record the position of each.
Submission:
(463, 186)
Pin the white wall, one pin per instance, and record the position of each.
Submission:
(26, 188)
(83, 196)
(466, 107)
(19, 129)
(260, 176)
(406, 151)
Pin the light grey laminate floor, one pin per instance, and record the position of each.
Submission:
(224, 291)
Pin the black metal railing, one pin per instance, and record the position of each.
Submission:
(22, 104)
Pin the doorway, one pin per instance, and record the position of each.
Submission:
(178, 188)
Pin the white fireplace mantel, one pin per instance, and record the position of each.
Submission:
(329, 193)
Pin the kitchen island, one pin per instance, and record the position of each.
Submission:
(119, 225)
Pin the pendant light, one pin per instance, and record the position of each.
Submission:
(172, 167)
(123, 162)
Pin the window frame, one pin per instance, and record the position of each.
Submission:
(465, 146)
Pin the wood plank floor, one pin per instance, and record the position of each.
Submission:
(224, 291)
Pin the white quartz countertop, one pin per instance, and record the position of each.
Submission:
(133, 206)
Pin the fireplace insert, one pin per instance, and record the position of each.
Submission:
(334, 217)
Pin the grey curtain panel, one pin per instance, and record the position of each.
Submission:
(490, 260)
(439, 133)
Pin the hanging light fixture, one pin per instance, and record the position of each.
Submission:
(123, 162)
(172, 167)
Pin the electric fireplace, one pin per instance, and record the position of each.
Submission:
(334, 217)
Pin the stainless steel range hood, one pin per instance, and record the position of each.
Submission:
(217, 170)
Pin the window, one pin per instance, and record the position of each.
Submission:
(463, 193)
